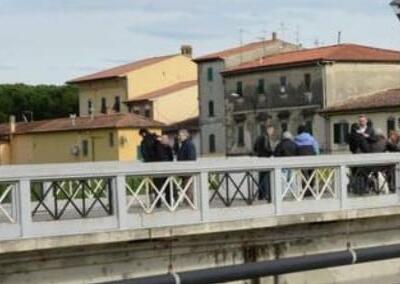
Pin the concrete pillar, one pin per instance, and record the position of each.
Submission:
(24, 206)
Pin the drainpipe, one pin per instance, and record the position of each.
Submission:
(271, 267)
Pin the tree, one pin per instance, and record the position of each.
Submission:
(40, 101)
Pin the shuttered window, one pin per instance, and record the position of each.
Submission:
(340, 133)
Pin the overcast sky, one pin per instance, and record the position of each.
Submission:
(51, 41)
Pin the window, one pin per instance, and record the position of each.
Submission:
(210, 74)
(340, 133)
(391, 125)
(111, 139)
(103, 105)
(211, 109)
(307, 82)
(85, 148)
(117, 104)
(90, 107)
(147, 113)
(309, 126)
(283, 83)
(261, 86)
(240, 137)
(211, 143)
(239, 88)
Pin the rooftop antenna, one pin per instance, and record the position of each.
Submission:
(339, 37)
(282, 28)
(241, 43)
(297, 35)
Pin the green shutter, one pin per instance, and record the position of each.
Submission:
(210, 74)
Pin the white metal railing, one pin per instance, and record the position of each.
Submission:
(59, 199)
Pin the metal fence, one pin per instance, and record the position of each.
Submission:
(60, 199)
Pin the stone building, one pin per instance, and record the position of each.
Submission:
(382, 109)
(290, 89)
(212, 92)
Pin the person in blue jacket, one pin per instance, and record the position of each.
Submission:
(307, 145)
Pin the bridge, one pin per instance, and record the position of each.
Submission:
(95, 222)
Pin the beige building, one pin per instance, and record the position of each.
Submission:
(212, 91)
(382, 109)
(122, 88)
(80, 139)
(290, 89)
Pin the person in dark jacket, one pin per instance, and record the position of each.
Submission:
(148, 146)
(357, 141)
(287, 147)
(186, 150)
(164, 154)
(366, 129)
(263, 149)
(380, 142)
(306, 143)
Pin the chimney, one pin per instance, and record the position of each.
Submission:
(187, 50)
(12, 124)
(274, 36)
(73, 119)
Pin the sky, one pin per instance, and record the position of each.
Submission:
(52, 41)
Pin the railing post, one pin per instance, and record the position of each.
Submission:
(276, 190)
(121, 203)
(344, 182)
(397, 180)
(24, 206)
(203, 192)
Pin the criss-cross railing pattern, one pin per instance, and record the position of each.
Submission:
(150, 193)
(228, 188)
(72, 198)
(6, 195)
(300, 184)
(367, 180)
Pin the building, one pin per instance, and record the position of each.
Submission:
(382, 109)
(212, 91)
(290, 89)
(75, 139)
(148, 86)
(170, 105)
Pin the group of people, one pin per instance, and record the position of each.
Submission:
(303, 144)
(158, 148)
(364, 139)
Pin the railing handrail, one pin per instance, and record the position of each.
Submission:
(115, 168)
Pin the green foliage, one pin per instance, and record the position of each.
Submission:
(45, 101)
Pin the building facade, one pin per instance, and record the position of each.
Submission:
(290, 89)
(212, 90)
(116, 90)
(82, 139)
(382, 109)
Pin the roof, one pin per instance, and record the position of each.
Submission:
(121, 70)
(379, 100)
(336, 53)
(166, 91)
(191, 124)
(128, 120)
(220, 55)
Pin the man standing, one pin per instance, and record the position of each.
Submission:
(186, 151)
(263, 148)
(148, 146)
(366, 130)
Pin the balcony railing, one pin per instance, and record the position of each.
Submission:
(60, 199)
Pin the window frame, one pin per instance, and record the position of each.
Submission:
(211, 109)
(117, 104)
(211, 144)
(307, 82)
(210, 74)
(261, 86)
(85, 148)
(241, 136)
(103, 108)
(239, 88)
(111, 139)
(343, 138)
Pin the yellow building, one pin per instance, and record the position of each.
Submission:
(80, 139)
(121, 88)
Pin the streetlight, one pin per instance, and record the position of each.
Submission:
(395, 4)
